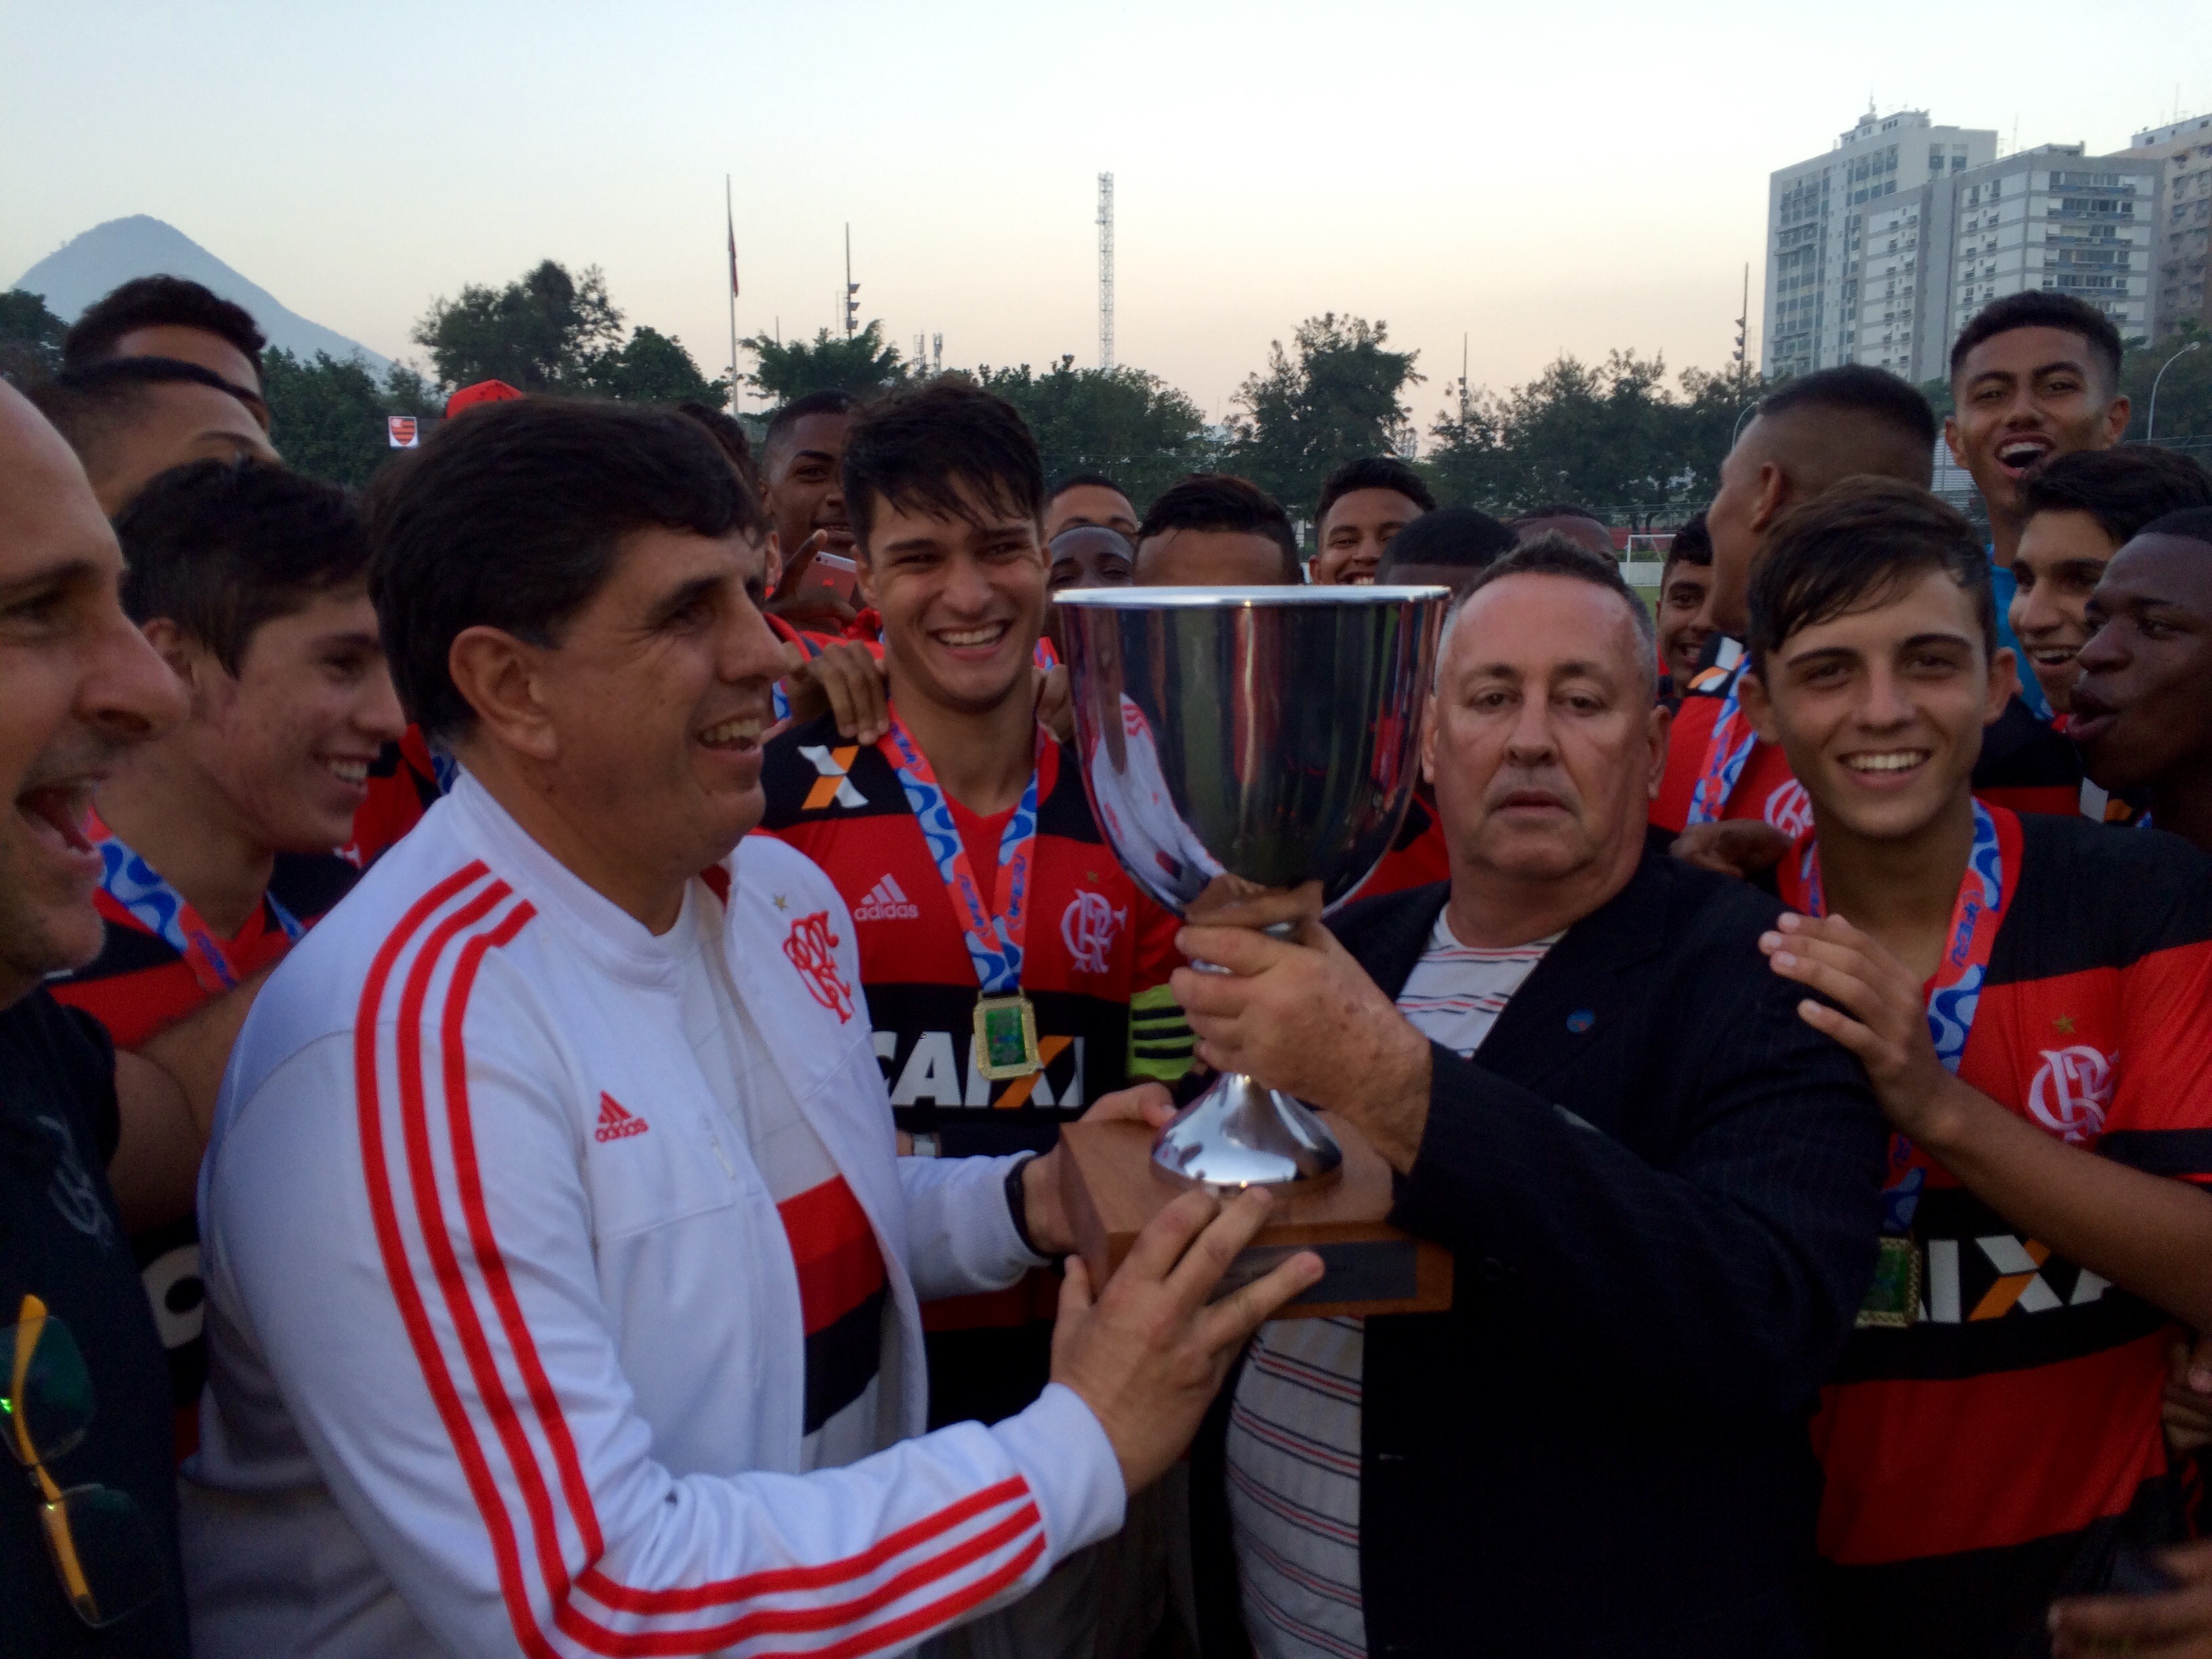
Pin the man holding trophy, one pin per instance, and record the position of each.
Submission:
(1659, 1196)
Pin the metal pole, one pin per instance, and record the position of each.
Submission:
(730, 214)
(2150, 419)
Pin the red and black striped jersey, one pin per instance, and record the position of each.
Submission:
(140, 984)
(2025, 765)
(402, 784)
(1995, 1452)
(1096, 961)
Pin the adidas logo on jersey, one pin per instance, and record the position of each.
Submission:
(887, 902)
(617, 1122)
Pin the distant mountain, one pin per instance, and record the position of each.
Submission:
(88, 266)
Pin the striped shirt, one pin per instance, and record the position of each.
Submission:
(1294, 1435)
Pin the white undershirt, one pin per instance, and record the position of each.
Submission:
(1294, 1436)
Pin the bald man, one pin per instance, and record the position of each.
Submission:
(131, 418)
(1731, 799)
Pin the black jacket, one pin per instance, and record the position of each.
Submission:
(1662, 1191)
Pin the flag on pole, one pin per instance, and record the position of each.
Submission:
(733, 246)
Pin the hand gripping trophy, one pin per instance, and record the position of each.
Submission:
(1235, 742)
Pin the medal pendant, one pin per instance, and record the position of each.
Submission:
(1893, 1301)
(1005, 1037)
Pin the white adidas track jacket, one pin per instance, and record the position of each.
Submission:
(485, 1381)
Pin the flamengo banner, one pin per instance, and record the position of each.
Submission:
(402, 429)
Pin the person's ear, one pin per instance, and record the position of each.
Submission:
(502, 679)
(172, 646)
(1758, 707)
(2003, 686)
(1951, 440)
(864, 573)
(1660, 724)
(2116, 420)
(1429, 716)
(1773, 496)
(771, 560)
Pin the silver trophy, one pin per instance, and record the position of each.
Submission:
(1240, 741)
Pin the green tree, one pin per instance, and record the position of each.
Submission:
(1131, 426)
(650, 368)
(864, 364)
(30, 337)
(545, 332)
(328, 416)
(1339, 398)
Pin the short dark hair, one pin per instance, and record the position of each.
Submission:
(831, 402)
(1222, 500)
(1692, 545)
(1858, 545)
(1079, 480)
(2035, 307)
(1858, 389)
(1450, 537)
(221, 547)
(159, 302)
(1373, 473)
(514, 518)
(916, 448)
(1555, 510)
(2191, 524)
(1552, 553)
(728, 436)
(84, 405)
(2123, 490)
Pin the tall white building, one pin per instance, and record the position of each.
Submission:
(1879, 252)
(2183, 244)
(1844, 235)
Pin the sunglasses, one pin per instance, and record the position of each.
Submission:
(103, 1550)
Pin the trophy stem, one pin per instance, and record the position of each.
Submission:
(1240, 1134)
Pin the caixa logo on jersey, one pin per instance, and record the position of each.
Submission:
(1089, 928)
(2071, 1091)
(811, 948)
(1790, 809)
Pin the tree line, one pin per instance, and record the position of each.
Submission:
(1622, 437)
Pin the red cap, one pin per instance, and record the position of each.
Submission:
(484, 392)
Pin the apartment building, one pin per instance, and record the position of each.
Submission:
(2182, 222)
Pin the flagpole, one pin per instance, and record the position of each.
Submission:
(730, 215)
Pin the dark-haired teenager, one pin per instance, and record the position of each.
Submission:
(217, 840)
(2142, 706)
(2027, 994)
(1088, 498)
(174, 318)
(986, 907)
(2034, 375)
(1731, 798)
(1214, 530)
(131, 418)
(806, 503)
(1685, 579)
(1365, 503)
(2075, 511)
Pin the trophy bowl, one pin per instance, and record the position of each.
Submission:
(1240, 741)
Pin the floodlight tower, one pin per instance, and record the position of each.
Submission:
(1106, 273)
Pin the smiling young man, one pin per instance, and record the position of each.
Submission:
(1363, 504)
(2034, 375)
(2027, 993)
(2142, 706)
(561, 1278)
(217, 841)
(2076, 510)
(1012, 971)
(1731, 798)
(1685, 579)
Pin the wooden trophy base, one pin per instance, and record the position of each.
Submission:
(1112, 1188)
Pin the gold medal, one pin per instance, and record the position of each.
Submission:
(1893, 1301)
(1005, 1037)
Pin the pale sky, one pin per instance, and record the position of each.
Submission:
(1573, 175)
